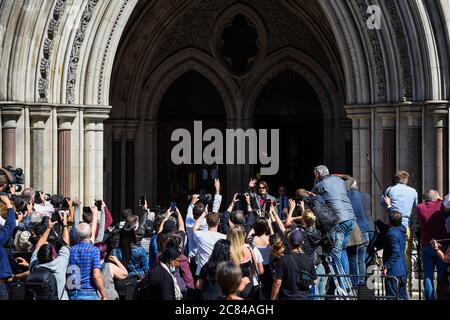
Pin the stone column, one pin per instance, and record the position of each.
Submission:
(10, 116)
(65, 120)
(364, 149)
(361, 136)
(440, 123)
(238, 175)
(99, 161)
(93, 119)
(147, 160)
(414, 146)
(89, 162)
(38, 117)
(388, 124)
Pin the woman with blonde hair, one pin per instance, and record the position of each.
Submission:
(245, 257)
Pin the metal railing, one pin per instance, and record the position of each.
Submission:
(373, 284)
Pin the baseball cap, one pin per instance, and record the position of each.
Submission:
(296, 238)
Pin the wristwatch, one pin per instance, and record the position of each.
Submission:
(65, 226)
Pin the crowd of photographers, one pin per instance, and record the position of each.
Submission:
(314, 245)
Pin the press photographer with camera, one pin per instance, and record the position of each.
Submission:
(5, 235)
(194, 211)
(42, 204)
(44, 267)
(233, 217)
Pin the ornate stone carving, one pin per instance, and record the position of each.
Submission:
(377, 54)
(105, 52)
(348, 53)
(402, 47)
(45, 60)
(284, 28)
(75, 52)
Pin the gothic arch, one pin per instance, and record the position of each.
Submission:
(172, 68)
(292, 59)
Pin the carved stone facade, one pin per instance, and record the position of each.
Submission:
(115, 60)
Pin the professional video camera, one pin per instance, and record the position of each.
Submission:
(206, 198)
(14, 177)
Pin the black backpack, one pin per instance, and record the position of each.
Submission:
(304, 280)
(326, 218)
(41, 285)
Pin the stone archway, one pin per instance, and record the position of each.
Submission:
(58, 82)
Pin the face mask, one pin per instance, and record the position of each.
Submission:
(172, 269)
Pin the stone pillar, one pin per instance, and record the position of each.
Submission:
(38, 117)
(364, 149)
(361, 141)
(414, 147)
(355, 149)
(99, 161)
(65, 120)
(440, 123)
(238, 175)
(388, 124)
(10, 116)
(89, 162)
(147, 160)
(93, 119)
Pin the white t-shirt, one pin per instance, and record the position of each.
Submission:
(45, 209)
(205, 244)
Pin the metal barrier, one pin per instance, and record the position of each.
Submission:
(341, 293)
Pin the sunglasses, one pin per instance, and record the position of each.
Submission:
(262, 187)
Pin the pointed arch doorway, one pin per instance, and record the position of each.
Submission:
(191, 97)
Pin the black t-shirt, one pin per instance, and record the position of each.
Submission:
(288, 270)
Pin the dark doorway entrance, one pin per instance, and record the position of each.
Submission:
(289, 103)
(190, 98)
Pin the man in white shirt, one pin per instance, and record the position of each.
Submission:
(206, 239)
(194, 211)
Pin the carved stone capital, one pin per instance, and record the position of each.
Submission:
(10, 114)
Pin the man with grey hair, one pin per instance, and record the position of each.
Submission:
(431, 216)
(85, 278)
(334, 191)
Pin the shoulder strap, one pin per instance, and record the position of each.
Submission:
(253, 264)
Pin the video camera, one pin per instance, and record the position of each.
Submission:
(14, 177)
(205, 198)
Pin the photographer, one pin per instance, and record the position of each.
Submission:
(42, 205)
(194, 211)
(237, 217)
(42, 257)
(5, 235)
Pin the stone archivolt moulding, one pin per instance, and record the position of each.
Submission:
(105, 52)
(45, 60)
(75, 52)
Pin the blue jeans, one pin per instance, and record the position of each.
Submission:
(341, 234)
(83, 295)
(357, 260)
(320, 289)
(393, 287)
(372, 238)
(4, 292)
(430, 262)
